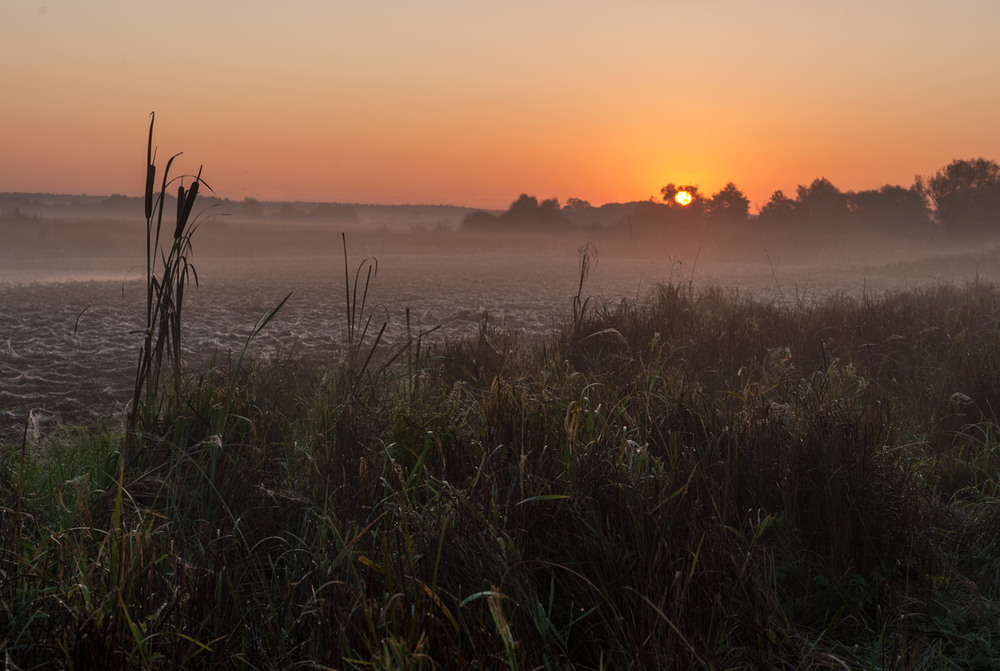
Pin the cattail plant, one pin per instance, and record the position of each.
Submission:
(168, 271)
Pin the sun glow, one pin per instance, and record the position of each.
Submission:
(683, 198)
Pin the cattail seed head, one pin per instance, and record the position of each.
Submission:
(150, 168)
(185, 203)
(180, 212)
(150, 180)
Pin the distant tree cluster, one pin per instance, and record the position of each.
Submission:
(821, 205)
(729, 204)
(524, 214)
(585, 215)
(962, 198)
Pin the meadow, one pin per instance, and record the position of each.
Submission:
(685, 476)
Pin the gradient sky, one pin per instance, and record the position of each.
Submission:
(473, 103)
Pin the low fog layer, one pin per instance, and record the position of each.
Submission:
(72, 276)
(821, 240)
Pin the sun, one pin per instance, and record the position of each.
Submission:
(683, 198)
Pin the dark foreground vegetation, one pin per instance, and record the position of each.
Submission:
(699, 480)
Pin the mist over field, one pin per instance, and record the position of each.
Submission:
(51, 238)
(72, 271)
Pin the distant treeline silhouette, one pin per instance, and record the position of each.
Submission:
(23, 206)
(962, 197)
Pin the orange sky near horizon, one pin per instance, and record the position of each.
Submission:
(473, 103)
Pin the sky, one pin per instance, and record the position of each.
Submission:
(473, 103)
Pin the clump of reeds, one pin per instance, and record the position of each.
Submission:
(168, 272)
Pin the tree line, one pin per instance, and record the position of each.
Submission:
(962, 197)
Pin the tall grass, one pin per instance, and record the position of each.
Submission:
(728, 484)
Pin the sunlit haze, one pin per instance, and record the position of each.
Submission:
(473, 103)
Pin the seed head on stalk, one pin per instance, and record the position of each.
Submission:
(185, 202)
(150, 169)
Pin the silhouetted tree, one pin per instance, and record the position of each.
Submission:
(669, 192)
(577, 205)
(823, 204)
(580, 212)
(966, 195)
(890, 209)
(780, 210)
(728, 204)
(549, 209)
(525, 207)
(693, 210)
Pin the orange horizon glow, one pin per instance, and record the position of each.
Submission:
(453, 103)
